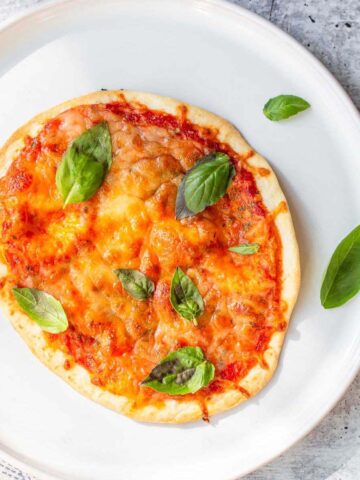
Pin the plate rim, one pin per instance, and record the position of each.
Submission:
(344, 98)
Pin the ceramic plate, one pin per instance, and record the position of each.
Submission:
(218, 56)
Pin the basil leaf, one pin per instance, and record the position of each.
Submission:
(42, 307)
(342, 277)
(136, 283)
(185, 297)
(204, 184)
(85, 164)
(81, 178)
(245, 248)
(183, 371)
(181, 209)
(284, 106)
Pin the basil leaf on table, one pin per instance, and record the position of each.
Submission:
(245, 248)
(183, 371)
(84, 165)
(185, 297)
(136, 283)
(204, 184)
(284, 106)
(342, 277)
(43, 308)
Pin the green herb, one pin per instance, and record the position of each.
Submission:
(204, 184)
(42, 307)
(342, 277)
(284, 106)
(84, 164)
(181, 209)
(184, 371)
(185, 297)
(245, 248)
(136, 283)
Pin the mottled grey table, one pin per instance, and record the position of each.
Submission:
(331, 30)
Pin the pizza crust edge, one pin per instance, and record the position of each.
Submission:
(172, 411)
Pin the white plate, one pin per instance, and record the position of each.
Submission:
(227, 60)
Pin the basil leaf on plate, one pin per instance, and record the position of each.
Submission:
(204, 184)
(185, 370)
(342, 277)
(84, 164)
(245, 248)
(43, 308)
(284, 106)
(136, 283)
(185, 297)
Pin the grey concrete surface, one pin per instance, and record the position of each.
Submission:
(331, 30)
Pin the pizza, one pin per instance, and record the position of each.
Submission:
(148, 255)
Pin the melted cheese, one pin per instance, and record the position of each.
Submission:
(130, 223)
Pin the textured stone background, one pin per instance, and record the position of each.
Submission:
(331, 30)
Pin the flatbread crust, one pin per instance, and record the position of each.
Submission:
(172, 411)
